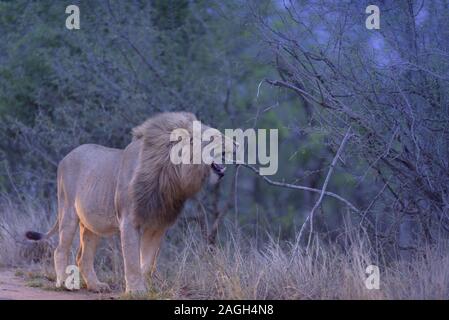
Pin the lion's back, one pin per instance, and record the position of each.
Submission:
(87, 178)
(90, 158)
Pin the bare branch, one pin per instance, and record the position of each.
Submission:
(323, 190)
(299, 187)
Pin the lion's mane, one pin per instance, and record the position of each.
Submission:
(160, 188)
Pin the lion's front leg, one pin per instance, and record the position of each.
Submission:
(130, 238)
(149, 249)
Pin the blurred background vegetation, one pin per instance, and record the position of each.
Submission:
(60, 88)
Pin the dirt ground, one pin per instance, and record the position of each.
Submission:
(14, 286)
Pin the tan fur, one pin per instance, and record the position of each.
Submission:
(160, 188)
(136, 191)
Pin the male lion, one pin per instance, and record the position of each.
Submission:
(137, 191)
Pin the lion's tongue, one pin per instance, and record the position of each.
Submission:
(219, 169)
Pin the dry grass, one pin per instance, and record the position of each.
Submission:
(236, 269)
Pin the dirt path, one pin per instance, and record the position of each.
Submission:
(14, 287)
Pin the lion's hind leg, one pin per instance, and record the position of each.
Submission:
(67, 227)
(86, 257)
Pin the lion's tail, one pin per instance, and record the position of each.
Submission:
(36, 236)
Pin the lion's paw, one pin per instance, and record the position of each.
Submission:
(99, 287)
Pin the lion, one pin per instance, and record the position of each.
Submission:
(137, 192)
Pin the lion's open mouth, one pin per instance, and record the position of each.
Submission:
(218, 169)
